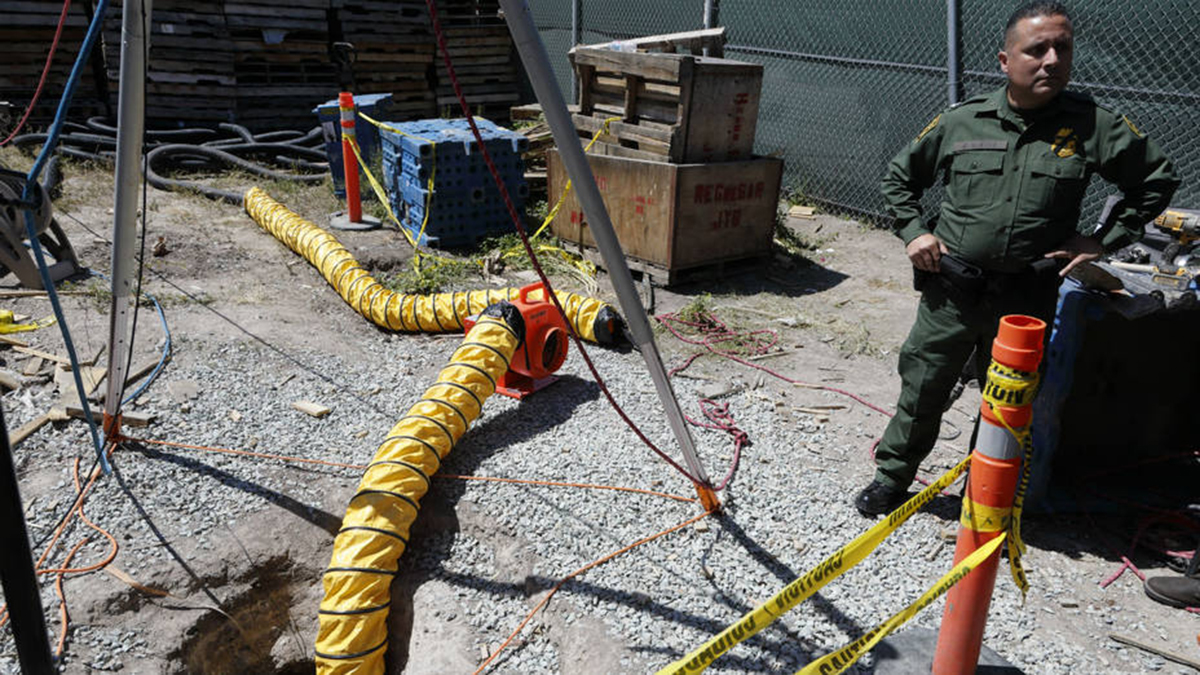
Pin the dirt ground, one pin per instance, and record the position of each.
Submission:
(844, 300)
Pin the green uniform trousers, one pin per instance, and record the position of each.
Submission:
(941, 341)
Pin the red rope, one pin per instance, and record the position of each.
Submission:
(721, 419)
(716, 333)
(62, 20)
(516, 219)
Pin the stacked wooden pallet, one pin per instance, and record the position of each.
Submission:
(26, 33)
(281, 60)
(682, 108)
(190, 74)
(675, 154)
(483, 56)
(393, 52)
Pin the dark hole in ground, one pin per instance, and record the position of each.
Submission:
(241, 640)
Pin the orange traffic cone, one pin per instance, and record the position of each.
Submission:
(991, 487)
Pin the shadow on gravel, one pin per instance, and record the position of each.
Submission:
(432, 536)
(784, 574)
(322, 519)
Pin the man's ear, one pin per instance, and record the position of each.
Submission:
(1003, 56)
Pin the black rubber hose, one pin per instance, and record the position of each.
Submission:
(271, 149)
(196, 134)
(238, 129)
(163, 155)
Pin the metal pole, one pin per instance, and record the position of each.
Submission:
(576, 40)
(131, 122)
(954, 51)
(537, 64)
(712, 9)
(17, 572)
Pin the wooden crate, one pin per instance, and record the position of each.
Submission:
(677, 216)
(673, 107)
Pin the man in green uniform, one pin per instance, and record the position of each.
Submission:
(1016, 163)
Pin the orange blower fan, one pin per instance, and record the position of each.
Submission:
(541, 352)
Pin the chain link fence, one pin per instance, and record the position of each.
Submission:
(846, 85)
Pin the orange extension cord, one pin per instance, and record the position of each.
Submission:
(82, 491)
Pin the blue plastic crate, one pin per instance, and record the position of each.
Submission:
(465, 205)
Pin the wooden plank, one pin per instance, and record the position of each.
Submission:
(91, 376)
(27, 429)
(12, 341)
(45, 355)
(632, 84)
(1170, 656)
(707, 37)
(723, 113)
(664, 67)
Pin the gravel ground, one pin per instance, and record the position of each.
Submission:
(786, 509)
(250, 536)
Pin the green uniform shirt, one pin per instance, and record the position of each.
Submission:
(1015, 181)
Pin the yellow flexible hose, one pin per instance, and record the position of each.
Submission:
(352, 637)
(593, 320)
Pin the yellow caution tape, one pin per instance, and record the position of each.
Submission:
(587, 269)
(562, 197)
(839, 661)
(432, 173)
(8, 323)
(1003, 385)
(809, 583)
(983, 518)
(1006, 386)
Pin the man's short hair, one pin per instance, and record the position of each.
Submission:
(1035, 8)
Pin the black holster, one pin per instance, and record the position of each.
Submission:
(959, 279)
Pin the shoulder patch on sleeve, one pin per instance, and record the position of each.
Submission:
(929, 127)
(1129, 123)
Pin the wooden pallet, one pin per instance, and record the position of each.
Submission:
(27, 28)
(677, 107)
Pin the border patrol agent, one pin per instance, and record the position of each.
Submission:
(1016, 164)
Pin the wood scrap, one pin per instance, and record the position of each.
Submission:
(128, 417)
(45, 355)
(9, 379)
(313, 409)
(33, 365)
(27, 429)
(91, 376)
(805, 212)
(12, 341)
(1170, 656)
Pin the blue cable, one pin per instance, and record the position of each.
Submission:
(166, 351)
(64, 105)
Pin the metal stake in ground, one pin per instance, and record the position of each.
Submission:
(131, 123)
(537, 64)
(16, 571)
